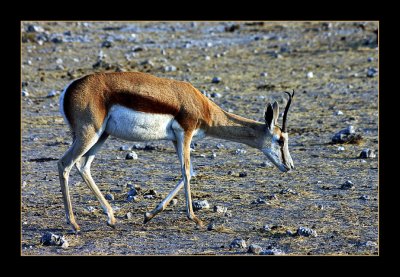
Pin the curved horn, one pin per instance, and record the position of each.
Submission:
(286, 110)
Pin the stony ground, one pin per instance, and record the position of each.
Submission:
(332, 67)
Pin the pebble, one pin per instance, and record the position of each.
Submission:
(151, 192)
(131, 156)
(25, 93)
(132, 198)
(243, 174)
(238, 243)
(163, 52)
(128, 215)
(34, 29)
(255, 249)
(170, 68)
(240, 151)
(370, 59)
(220, 209)
(125, 148)
(216, 80)
(23, 184)
(173, 202)
(338, 113)
(347, 185)
(288, 191)
(106, 44)
(310, 75)
(372, 72)
(59, 61)
(213, 155)
(91, 209)
(148, 196)
(52, 93)
(263, 74)
(306, 232)
(50, 239)
(364, 197)
(340, 148)
(228, 214)
(220, 146)
(207, 58)
(109, 197)
(343, 135)
(367, 153)
(266, 228)
(216, 95)
(259, 201)
(200, 205)
(273, 251)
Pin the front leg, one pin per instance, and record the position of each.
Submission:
(183, 148)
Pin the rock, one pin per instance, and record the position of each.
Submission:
(34, 29)
(306, 232)
(24, 93)
(310, 75)
(216, 80)
(50, 239)
(259, 201)
(109, 197)
(263, 74)
(272, 197)
(163, 52)
(228, 214)
(364, 197)
(220, 209)
(148, 196)
(170, 68)
(255, 249)
(372, 72)
(131, 156)
(151, 192)
(128, 215)
(207, 58)
(23, 184)
(238, 243)
(338, 113)
(288, 191)
(213, 155)
(370, 59)
(266, 228)
(125, 148)
(243, 174)
(340, 148)
(200, 205)
(52, 93)
(216, 95)
(347, 185)
(232, 28)
(59, 61)
(272, 251)
(173, 202)
(106, 44)
(290, 233)
(132, 192)
(240, 152)
(367, 153)
(132, 198)
(220, 146)
(347, 135)
(90, 209)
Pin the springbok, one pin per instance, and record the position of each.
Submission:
(140, 107)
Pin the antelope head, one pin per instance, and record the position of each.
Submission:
(275, 146)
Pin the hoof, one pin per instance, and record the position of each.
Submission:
(147, 217)
(111, 225)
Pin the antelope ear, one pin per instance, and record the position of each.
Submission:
(269, 116)
(275, 106)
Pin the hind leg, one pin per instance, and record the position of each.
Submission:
(83, 166)
(78, 148)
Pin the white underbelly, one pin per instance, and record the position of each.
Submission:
(132, 125)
